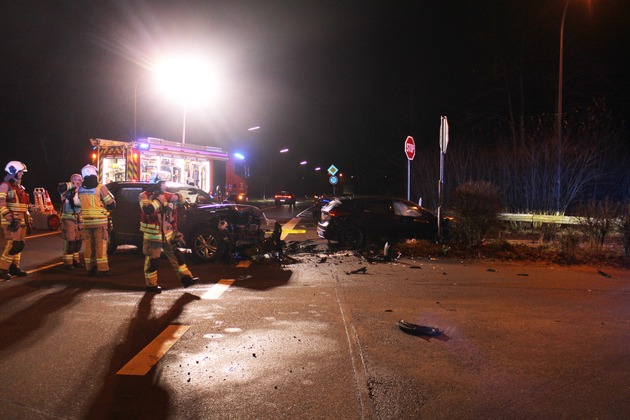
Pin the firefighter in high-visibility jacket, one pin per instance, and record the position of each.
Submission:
(14, 201)
(96, 203)
(71, 221)
(156, 223)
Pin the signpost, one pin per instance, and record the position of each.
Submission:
(332, 171)
(443, 144)
(410, 151)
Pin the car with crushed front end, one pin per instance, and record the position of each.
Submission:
(210, 229)
(353, 221)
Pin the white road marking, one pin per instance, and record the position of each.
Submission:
(217, 289)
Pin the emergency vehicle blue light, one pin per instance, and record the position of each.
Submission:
(144, 146)
(239, 156)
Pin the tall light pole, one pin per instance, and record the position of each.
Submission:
(559, 108)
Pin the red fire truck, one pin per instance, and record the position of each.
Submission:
(202, 166)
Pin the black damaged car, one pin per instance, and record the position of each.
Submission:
(210, 229)
(354, 220)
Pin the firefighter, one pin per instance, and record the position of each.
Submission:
(157, 224)
(71, 221)
(14, 203)
(96, 203)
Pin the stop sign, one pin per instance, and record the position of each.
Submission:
(410, 148)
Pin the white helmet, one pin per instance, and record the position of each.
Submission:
(76, 177)
(160, 176)
(14, 167)
(88, 170)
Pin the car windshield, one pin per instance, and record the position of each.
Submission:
(191, 194)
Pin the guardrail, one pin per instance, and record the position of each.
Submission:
(537, 219)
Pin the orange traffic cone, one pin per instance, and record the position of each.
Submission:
(49, 204)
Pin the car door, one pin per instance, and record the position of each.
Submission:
(377, 217)
(413, 221)
(126, 216)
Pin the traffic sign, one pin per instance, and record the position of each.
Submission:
(333, 180)
(410, 148)
(333, 170)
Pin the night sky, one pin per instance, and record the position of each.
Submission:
(340, 82)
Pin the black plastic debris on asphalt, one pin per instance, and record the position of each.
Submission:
(418, 330)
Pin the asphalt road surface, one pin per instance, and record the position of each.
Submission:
(314, 336)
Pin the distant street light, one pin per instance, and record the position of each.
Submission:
(284, 150)
(303, 162)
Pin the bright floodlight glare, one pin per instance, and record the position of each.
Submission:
(239, 156)
(284, 150)
(189, 79)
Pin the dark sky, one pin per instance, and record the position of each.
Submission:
(335, 81)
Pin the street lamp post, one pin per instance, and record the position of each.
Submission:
(559, 108)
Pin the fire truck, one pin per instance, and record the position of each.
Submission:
(202, 166)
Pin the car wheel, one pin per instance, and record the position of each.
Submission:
(207, 245)
(351, 236)
(111, 243)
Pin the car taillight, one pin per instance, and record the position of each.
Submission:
(337, 213)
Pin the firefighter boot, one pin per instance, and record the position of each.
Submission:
(4, 275)
(14, 270)
(188, 281)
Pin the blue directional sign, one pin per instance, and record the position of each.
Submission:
(333, 180)
(333, 170)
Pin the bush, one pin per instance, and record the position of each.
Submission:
(597, 219)
(477, 205)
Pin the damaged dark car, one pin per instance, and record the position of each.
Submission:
(211, 230)
(356, 220)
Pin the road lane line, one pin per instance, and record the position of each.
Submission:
(39, 235)
(244, 264)
(217, 289)
(153, 352)
(288, 227)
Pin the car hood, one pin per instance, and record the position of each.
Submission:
(239, 208)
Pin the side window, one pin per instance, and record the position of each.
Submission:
(404, 209)
(129, 195)
(377, 207)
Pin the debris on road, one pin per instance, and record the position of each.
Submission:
(419, 330)
(604, 274)
(492, 270)
(362, 270)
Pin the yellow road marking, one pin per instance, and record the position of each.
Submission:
(294, 231)
(288, 227)
(153, 352)
(217, 289)
(244, 264)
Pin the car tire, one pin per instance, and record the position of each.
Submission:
(206, 245)
(351, 236)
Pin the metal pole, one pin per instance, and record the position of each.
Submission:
(135, 111)
(408, 179)
(184, 127)
(559, 108)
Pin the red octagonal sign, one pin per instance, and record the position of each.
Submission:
(410, 148)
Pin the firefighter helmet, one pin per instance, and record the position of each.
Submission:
(160, 176)
(76, 177)
(14, 167)
(88, 170)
